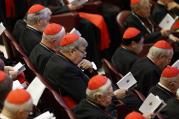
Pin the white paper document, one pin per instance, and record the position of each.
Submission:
(2, 28)
(46, 115)
(151, 104)
(19, 67)
(167, 22)
(176, 64)
(127, 81)
(77, 2)
(75, 31)
(36, 88)
(16, 84)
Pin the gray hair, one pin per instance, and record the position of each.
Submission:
(55, 37)
(91, 94)
(13, 108)
(80, 42)
(138, 6)
(34, 18)
(155, 52)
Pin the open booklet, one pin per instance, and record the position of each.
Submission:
(2, 28)
(127, 81)
(167, 22)
(75, 31)
(77, 2)
(36, 89)
(19, 67)
(46, 115)
(176, 64)
(152, 105)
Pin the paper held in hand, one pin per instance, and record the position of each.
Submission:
(2, 28)
(75, 31)
(19, 67)
(77, 2)
(127, 81)
(45, 115)
(176, 64)
(167, 22)
(16, 84)
(152, 104)
(36, 89)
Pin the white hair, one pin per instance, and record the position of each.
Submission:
(177, 93)
(155, 52)
(55, 37)
(80, 42)
(27, 106)
(100, 91)
(141, 3)
(34, 18)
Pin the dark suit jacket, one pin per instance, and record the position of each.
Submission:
(19, 27)
(146, 73)
(29, 39)
(162, 93)
(123, 60)
(171, 110)
(133, 21)
(40, 56)
(65, 76)
(86, 110)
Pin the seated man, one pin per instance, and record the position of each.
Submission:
(18, 105)
(171, 110)
(168, 85)
(46, 48)
(5, 87)
(147, 70)
(37, 19)
(64, 69)
(99, 96)
(139, 18)
(161, 8)
(126, 55)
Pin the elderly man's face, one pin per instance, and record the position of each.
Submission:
(80, 53)
(106, 99)
(145, 9)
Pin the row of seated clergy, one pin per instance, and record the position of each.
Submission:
(41, 53)
(147, 70)
(63, 70)
(109, 17)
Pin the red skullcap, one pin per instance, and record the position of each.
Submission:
(96, 82)
(134, 115)
(52, 29)
(130, 33)
(18, 96)
(170, 72)
(162, 44)
(134, 2)
(69, 39)
(175, 26)
(35, 8)
(3, 76)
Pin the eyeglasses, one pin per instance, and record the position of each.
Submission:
(83, 52)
